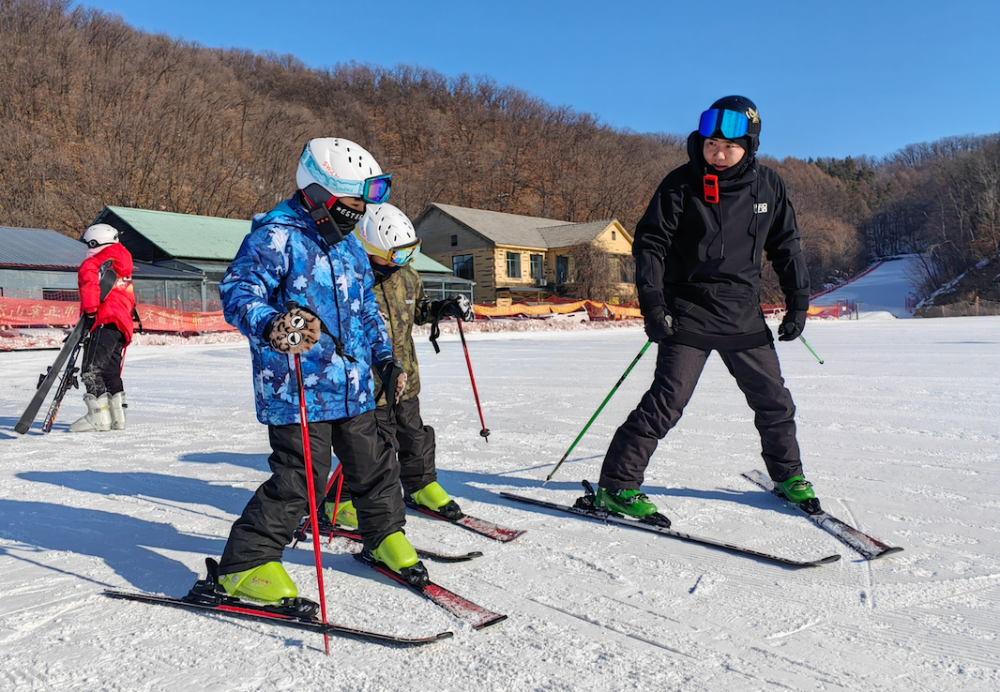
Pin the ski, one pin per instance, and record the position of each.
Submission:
(241, 609)
(592, 512)
(464, 609)
(46, 381)
(870, 548)
(302, 534)
(69, 379)
(480, 526)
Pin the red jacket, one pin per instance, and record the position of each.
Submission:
(119, 303)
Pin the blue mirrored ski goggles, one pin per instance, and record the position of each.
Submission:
(719, 121)
(374, 190)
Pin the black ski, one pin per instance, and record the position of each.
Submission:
(870, 548)
(462, 608)
(302, 534)
(589, 511)
(241, 609)
(46, 381)
(480, 526)
(69, 379)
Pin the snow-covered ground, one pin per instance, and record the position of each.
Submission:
(883, 290)
(899, 431)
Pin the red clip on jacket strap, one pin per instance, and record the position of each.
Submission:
(711, 186)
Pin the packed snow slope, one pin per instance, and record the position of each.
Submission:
(899, 431)
(885, 289)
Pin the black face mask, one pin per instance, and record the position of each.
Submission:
(345, 217)
(383, 271)
(334, 223)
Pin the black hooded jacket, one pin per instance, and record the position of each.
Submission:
(702, 262)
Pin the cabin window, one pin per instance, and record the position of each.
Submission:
(461, 266)
(513, 265)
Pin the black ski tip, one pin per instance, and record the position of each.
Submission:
(884, 553)
(827, 560)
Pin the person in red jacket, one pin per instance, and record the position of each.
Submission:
(109, 314)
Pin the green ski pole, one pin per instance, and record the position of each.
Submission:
(598, 412)
(811, 350)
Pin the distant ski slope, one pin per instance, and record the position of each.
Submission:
(884, 289)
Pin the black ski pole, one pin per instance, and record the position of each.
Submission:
(597, 412)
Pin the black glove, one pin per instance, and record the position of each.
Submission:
(792, 325)
(659, 325)
(88, 320)
(456, 306)
(295, 331)
(393, 378)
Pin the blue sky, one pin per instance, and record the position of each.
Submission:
(830, 78)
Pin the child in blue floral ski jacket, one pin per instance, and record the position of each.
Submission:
(302, 284)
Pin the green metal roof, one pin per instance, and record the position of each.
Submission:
(192, 237)
(425, 265)
(187, 236)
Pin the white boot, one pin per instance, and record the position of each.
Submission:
(118, 407)
(98, 418)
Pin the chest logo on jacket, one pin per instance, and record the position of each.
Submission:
(760, 208)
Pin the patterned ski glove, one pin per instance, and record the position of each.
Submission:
(295, 331)
(456, 306)
(659, 325)
(792, 325)
(390, 372)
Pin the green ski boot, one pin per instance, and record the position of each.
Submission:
(800, 491)
(631, 503)
(396, 553)
(268, 583)
(433, 497)
(346, 516)
(796, 489)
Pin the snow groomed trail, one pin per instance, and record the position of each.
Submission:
(900, 435)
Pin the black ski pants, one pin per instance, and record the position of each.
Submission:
(413, 443)
(260, 535)
(678, 368)
(102, 361)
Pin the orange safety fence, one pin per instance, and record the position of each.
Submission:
(593, 308)
(18, 312)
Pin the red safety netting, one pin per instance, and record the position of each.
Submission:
(17, 312)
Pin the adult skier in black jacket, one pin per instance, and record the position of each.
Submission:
(699, 250)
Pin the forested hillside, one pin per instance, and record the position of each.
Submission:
(94, 113)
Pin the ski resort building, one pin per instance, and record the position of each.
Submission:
(37, 264)
(520, 257)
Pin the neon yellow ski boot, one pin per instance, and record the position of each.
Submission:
(433, 497)
(396, 553)
(268, 583)
(346, 515)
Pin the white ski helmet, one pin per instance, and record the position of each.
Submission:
(99, 234)
(343, 169)
(385, 231)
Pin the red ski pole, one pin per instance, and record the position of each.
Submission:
(311, 490)
(484, 432)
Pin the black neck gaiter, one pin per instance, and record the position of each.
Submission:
(345, 217)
